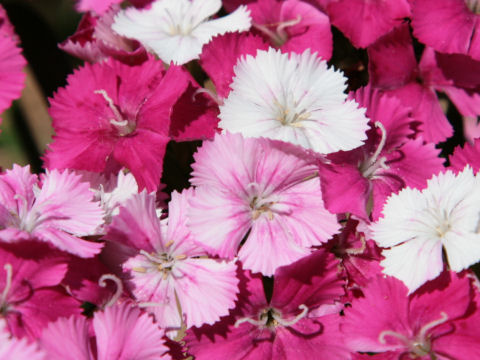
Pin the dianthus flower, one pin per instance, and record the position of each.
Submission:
(18, 349)
(113, 113)
(265, 188)
(300, 321)
(57, 209)
(176, 30)
(417, 225)
(121, 332)
(295, 98)
(440, 321)
(169, 273)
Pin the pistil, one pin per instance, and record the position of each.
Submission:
(123, 126)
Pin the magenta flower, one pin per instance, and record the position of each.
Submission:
(121, 332)
(30, 295)
(58, 210)
(167, 269)
(449, 26)
(12, 78)
(300, 322)
(436, 322)
(468, 155)
(293, 26)
(94, 41)
(267, 189)
(359, 181)
(111, 112)
(364, 21)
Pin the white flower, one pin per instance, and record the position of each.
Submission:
(417, 225)
(294, 98)
(176, 30)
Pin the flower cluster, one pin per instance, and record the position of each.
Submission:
(320, 220)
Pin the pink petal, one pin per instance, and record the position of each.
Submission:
(219, 57)
(207, 291)
(124, 333)
(98, 6)
(373, 18)
(75, 341)
(469, 154)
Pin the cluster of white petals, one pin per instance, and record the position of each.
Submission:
(176, 30)
(294, 98)
(418, 225)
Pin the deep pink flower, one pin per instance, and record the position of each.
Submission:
(364, 21)
(12, 78)
(431, 323)
(359, 181)
(449, 26)
(219, 57)
(30, 293)
(393, 68)
(468, 155)
(299, 322)
(113, 112)
(293, 26)
(94, 40)
(58, 210)
(168, 272)
(265, 188)
(120, 332)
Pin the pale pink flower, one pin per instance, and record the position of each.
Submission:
(418, 225)
(267, 189)
(18, 349)
(120, 332)
(169, 273)
(295, 98)
(58, 210)
(176, 30)
(97, 6)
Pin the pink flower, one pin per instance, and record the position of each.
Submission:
(167, 269)
(300, 322)
(449, 26)
(31, 297)
(364, 21)
(94, 41)
(98, 6)
(57, 210)
(267, 189)
(359, 181)
(111, 112)
(468, 155)
(293, 26)
(429, 324)
(13, 348)
(121, 332)
(12, 78)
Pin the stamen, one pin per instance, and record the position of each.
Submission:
(251, 321)
(118, 291)
(168, 244)
(210, 93)
(181, 257)
(8, 283)
(394, 334)
(111, 105)
(149, 256)
(296, 319)
(423, 331)
(139, 269)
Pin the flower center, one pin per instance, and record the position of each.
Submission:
(161, 262)
(258, 203)
(122, 125)
(276, 31)
(419, 346)
(271, 318)
(473, 5)
(289, 115)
